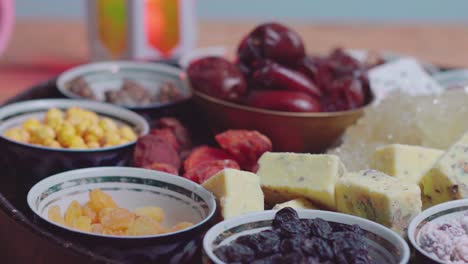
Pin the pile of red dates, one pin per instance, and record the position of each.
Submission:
(272, 71)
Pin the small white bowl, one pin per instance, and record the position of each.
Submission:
(433, 214)
(109, 75)
(386, 246)
(180, 199)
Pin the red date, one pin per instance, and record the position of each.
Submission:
(271, 75)
(289, 101)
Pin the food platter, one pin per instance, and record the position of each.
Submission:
(239, 154)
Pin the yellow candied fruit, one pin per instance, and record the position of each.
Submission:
(55, 214)
(31, 124)
(99, 200)
(144, 226)
(152, 211)
(74, 211)
(104, 212)
(82, 223)
(118, 219)
(127, 133)
(97, 228)
(107, 124)
(17, 134)
(89, 212)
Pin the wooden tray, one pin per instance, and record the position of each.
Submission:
(25, 240)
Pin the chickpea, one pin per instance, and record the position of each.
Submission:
(111, 139)
(77, 142)
(127, 133)
(42, 134)
(95, 130)
(52, 143)
(31, 124)
(82, 127)
(93, 144)
(107, 124)
(91, 138)
(54, 117)
(17, 134)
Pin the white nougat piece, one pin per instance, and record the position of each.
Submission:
(237, 192)
(406, 162)
(301, 175)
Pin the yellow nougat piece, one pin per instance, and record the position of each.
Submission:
(378, 197)
(406, 162)
(237, 192)
(448, 179)
(293, 175)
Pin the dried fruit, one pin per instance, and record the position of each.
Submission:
(55, 214)
(74, 211)
(217, 77)
(99, 200)
(203, 154)
(246, 146)
(154, 149)
(97, 228)
(319, 228)
(205, 170)
(118, 219)
(180, 132)
(89, 212)
(82, 223)
(168, 135)
(289, 101)
(144, 226)
(162, 167)
(317, 247)
(152, 211)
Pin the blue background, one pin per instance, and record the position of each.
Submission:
(393, 11)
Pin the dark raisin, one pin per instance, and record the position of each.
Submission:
(347, 240)
(317, 247)
(272, 259)
(320, 228)
(288, 224)
(220, 252)
(264, 243)
(289, 245)
(293, 257)
(284, 216)
(353, 256)
(238, 253)
(338, 227)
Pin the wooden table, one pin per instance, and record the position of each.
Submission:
(40, 50)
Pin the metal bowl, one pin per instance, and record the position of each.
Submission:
(289, 131)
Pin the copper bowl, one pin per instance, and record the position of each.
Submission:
(289, 131)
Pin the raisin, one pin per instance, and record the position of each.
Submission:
(272, 259)
(288, 224)
(347, 240)
(353, 256)
(285, 215)
(293, 257)
(220, 252)
(239, 253)
(264, 243)
(317, 247)
(319, 227)
(291, 244)
(338, 227)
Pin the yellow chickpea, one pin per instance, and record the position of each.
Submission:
(111, 139)
(93, 144)
(127, 133)
(65, 134)
(17, 134)
(82, 127)
(92, 117)
(52, 143)
(77, 142)
(31, 124)
(54, 117)
(91, 138)
(95, 130)
(42, 134)
(107, 124)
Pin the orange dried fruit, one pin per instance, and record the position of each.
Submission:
(118, 219)
(152, 211)
(89, 212)
(99, 200)
(97, 228)
(82, 223)
(74, 211)
(103, 212)
(144, 226)
(55, 215)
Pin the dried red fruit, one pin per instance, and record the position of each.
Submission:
(180, 132)
(151, 149)
(245, 145)
(203, 154)
(168, 135)
(217, 77)
(205, 170)
(163, 167)
(289, 101)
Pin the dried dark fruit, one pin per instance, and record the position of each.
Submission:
(80, 87)
(203, 154)
(293, 257)
(337, 227)
(317, 247)
(168, 135)
(239, 253)
(151, 149)
(272, 259)
(347, 240)
(293, 244)
(245, 145)
(264, 243)
(220, 252)
(353, 256)
(285, 215)
(319, 227)
(289, 101)
(271, 75)
(181, 133)
(206, 170)
(217, 77)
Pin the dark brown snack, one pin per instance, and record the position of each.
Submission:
(80, 87)
(168, 92)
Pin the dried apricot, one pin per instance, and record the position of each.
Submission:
(82, 223)
(144, 226)
(74, 211)
(152, 211)
(55, 214)
(89, 212)
(118, 219)
(203, 154)
(99, 200)
(97, 228)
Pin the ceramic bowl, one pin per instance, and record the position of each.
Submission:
(34, 162)
(434, 214)
(103, 76)
(180, 199)
(289, 131)
(386, 246)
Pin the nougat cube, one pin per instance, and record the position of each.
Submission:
(299, 203)
(448, 178)
(380, 198)
(293, 175)
(237, 192)
(406, 162)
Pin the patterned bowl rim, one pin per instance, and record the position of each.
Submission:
(115, 112)
(118, 65)
(373, 227)
(430, 214)
(86, 173)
